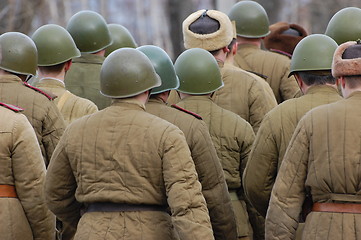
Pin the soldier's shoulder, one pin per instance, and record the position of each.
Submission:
(48, 95)
(277, 51)
(186, 111)
(11, 107)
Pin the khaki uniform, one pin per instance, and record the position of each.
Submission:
(323, 159)
(41, 112)
(207, 164)
(83, 79)
(275, 66)
(272, 140)
(124, 155)
(27, 216)
(243, 95)
(71, 107)
(232, 137)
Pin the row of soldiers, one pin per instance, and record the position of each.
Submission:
(117, 142)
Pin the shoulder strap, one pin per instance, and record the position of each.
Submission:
(46, 94)
(186, 111)
(11, 107)
(63, 99)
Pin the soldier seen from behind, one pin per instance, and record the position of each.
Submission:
(123, 173)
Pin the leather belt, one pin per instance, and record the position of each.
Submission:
(337, 207)
(8, 191)
(123, 207)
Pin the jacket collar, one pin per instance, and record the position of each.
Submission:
(321, 88)
(50, 82)
(89, 58)
(128, 102)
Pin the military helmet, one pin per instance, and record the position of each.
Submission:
(251, 19)
(55, 45)
(313, 53)
(163, 66)
(121, 38)
(345, 25)
(18, 53)
(198, 72)
(89, 31)
(127, 72)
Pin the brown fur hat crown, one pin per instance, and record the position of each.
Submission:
(347, 60)
(278, 39)
(208, 41)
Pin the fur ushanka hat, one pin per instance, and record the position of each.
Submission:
(347, 59)
(207, 29)
(284, 37)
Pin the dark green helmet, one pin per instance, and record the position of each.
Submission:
(121, 38)
(18, 54)
(163, 66)
(127, 72)
(198, 72)
(55, 45)
(89, 31)
(313, 53)
(251, 19)
(345, 25)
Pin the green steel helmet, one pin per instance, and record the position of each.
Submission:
(55, 45)
(89, 31)
(121, 38)
(18, 54)
(198, 72)
(345, 25)
(313, 53)
(251, 19)
(163, 66)
(127, 72)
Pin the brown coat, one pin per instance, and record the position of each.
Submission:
(83, 79)
(323, 159)
(70, 106)
(124, 155)
(272, 140)
(208, 166)
(41, 112)
(22, 166)
(275, 66)
(244, 95)
(232, 136)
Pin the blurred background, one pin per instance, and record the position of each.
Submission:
(159, 22)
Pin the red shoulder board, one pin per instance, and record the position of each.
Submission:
(48, 95)
(281, 52)
(11, 107)
(186, 111)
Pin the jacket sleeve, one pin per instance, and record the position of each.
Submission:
(288, 193)
(60, 187)
(184, 196)
(260, 173)
(259, 106)
(53, 128)
(214, 187)
(29, 175)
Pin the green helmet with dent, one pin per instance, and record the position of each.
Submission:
(18, 53)
(121, 38)
(55, 45)
(345, 25)
(89, 31)
(313, 53)
(198, 72)
(163, 66)
(251, 19)
(127, 72)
